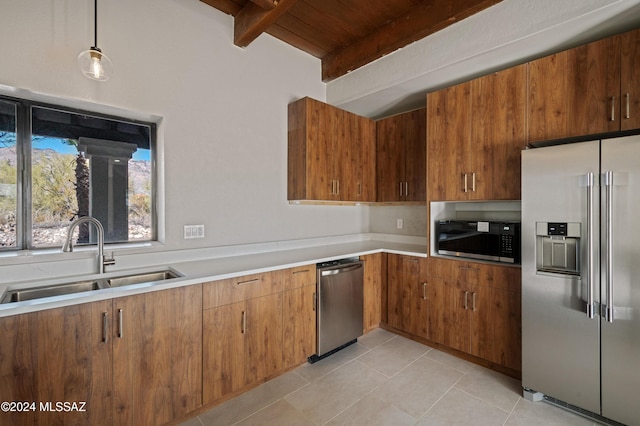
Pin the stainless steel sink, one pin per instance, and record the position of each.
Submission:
(50, 291)
(20, 295)
(141, 278)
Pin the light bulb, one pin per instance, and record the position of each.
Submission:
(95, 64)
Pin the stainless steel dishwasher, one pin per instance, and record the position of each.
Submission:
(340, 310)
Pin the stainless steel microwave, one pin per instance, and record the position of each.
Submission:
(493, 241)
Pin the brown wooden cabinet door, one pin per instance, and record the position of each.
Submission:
(407, 294)
(223, 350)
(401, 157)
(390, 157)
(498, 129)
(449, 143)
(448, 318)
(415, 169)
(630, 83)
(372, 294)
(57, 355)
(299, 315)
(575, 92)
(242, 344)
(157, 344)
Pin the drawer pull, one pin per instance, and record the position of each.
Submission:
(248, 281)
(105, 326)
(301, 272)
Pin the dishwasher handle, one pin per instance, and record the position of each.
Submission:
(347, 268)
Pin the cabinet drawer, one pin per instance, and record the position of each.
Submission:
(300, 276)
(231, 290)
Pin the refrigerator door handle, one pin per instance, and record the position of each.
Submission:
(608, 182)
(590, 255)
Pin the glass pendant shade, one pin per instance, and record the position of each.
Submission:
(95, 65)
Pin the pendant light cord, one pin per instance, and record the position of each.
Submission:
(95, 23)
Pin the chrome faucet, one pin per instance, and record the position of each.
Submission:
(68, 245)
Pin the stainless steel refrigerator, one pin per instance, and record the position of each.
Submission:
(581, 276)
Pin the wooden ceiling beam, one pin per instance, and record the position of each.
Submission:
(265, 4)
(423, 20)
(253, 20)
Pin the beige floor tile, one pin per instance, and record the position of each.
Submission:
(418, 387)
(528, 413)
(371, 411)
(450, 360)
(376, 337)
(394, 355)
(460, 408)
(316, 370)
(326, 397)
(249, 402)
(281, 413)
(192, 422)
(495, 388)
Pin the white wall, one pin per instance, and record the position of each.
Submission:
(223, 110)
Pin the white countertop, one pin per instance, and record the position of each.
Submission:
(212, 269)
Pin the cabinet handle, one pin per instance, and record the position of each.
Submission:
(120, 323)
(465, 183)
(248, 281)
(315, 301)
(301, 272)
(466, 303)
(613, 108)
(406, 189)
(400, 189)
(359, 189)
(424, 290)
(244, 322)
(337, 187)
(473, 182)
(628, 114)
(473, 301)
(105, 326)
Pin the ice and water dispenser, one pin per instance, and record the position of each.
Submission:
(558, 247)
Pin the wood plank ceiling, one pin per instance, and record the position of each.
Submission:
(345, 34)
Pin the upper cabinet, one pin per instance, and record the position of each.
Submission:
(401, 157)
(331, 153)
(587, 90)
(475, 132)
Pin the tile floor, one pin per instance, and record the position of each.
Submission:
(386, 379)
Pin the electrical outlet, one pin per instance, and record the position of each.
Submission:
(193, 231)
(399, 224)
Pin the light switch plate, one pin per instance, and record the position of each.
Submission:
(193, 231)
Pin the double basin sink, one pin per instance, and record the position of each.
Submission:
(20, 295)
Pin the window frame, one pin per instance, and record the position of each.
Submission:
(24, 226)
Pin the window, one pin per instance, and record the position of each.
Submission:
(57, 164)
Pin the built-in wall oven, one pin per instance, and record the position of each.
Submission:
(483, 240)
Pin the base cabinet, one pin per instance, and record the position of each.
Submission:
(157, 346)
(299, 316)
(408, 302)
(133, 360)
(56, 355)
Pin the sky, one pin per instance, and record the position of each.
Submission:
(59, 146)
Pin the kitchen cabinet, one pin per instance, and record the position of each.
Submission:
(401, 157)
(374, 294)
(331, 153)
(133, 360)
(242, 332)
(408, 300)
(475, 132)
(157, 352)
(61, 354)
(475, 308)
(587, 90)
(299, 315)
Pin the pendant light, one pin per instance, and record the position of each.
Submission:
(93, 63)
